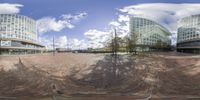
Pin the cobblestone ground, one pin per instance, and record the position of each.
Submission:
(159, 75)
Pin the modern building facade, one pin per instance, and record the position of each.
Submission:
(188, 36)
(148, 34)
(18, 35)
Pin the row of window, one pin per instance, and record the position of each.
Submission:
(189, 28)
(9, 17)
(189, 44)
(17, 26)
(19, 36)
(17, 44)
(190, 21)
(149, 32)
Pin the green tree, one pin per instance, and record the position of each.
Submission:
(113, 44)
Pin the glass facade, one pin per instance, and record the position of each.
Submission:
(17, 26)
(19, 32)
(188, 38)
(148, 33)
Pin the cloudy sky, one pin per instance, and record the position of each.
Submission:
(88, 23)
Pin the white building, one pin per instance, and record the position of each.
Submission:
(148, 33)
(188, 37)
(18, 35)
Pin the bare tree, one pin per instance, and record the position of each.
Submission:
(131, 43)
(114, 43)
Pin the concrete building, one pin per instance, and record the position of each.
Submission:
(149, 35)
(18, 35)
(188, 36)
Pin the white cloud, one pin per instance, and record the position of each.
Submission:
(63, 42)
(74, 17)
(94, 34)
(59, 42)
(76, 44)
(7, 8)
(166, 14)
(96, 38)
(114, 23)
(47, 24)
(121, 25)
(123, 18)
(51, 24)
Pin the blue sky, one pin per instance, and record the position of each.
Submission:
(89, 21)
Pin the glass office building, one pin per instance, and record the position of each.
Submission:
(18, 35)
(148, 34)
(188, 36)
